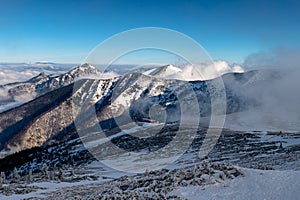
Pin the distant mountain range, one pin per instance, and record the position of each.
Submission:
(49, 117)
(43, 83)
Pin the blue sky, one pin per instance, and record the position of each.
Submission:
(66, 31)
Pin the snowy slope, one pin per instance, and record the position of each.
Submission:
(205, 71)
(13, 94)
(256, 185)
(163, 72)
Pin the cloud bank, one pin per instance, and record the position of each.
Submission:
(18, 72)
(275, 88)
(280, 58)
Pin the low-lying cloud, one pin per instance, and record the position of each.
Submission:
(20, 72)
(11, 76)
(275, 88)
(280, 58)
(207, 71)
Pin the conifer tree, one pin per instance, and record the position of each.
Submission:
(16, 176)
(1, 180)
(45, 171)
(29, 177)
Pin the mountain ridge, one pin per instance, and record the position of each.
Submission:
(20, 92)
(51, 114)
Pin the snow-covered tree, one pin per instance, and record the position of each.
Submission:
(45, 171)
(29, 177)
(51, 175)
(2, 179)
(16, 176)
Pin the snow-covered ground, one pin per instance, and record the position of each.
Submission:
(43, 188)
(248, 149)
(94, 169)
(256, 185)
(152, 184)
(253, 184)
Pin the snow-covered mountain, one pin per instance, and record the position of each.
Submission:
(117, 101)
(43, 83)
(129, 109)
(163, 72)
(194, 72)
(50, 116)
(20, 92)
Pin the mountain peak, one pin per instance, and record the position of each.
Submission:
(83, 69)
(164, 71)
(39, 77)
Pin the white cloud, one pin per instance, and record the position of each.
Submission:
(204, 71)
(10, 73)
(10, 76)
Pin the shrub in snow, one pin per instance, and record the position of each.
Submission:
(280, 146)
(204, 164)
(222, 176)
(61, 175)
(72, 173)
